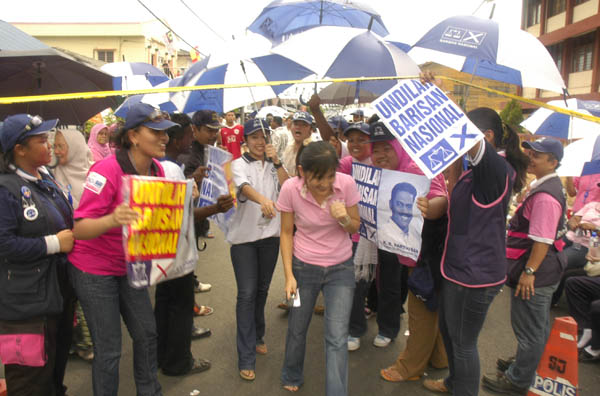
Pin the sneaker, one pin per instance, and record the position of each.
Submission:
(200, 332)
(501, 384)
(381, 341)
(202, 287)
(353, 343)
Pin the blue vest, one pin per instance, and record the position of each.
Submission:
(475, 253)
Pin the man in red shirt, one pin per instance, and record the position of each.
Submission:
(231, 136)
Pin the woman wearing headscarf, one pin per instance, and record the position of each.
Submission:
(98, 142)
(36, 299)
(74, 160)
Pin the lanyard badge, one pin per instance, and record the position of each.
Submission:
(30, 212)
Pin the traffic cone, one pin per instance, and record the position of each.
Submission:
(556, 375)
(2, 387)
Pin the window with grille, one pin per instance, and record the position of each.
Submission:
(556, 51)
(583, 51)
(555, 7)
(106, 55)
(534, 9)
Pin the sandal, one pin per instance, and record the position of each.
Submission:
(261, 349)
(392, 375)
(248, 375)
(291, 388)
(202, 310)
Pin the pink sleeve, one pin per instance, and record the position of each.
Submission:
(576, 182)
(285, 201)
(345, 165)
(438, 187)
(544, 215)
(351, 195)
(97, 201)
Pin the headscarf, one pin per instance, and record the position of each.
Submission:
(72, 175)
(111, 131)
(405, 163)
(99, 151)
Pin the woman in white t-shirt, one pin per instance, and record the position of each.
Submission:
(254, 238)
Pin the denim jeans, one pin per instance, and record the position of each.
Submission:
(253, 264)
(462, 313)
(530, 321)
(337, 284)
(104, 300)
(575, 260)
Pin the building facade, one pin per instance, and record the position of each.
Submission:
(570, 29)
(147, 42)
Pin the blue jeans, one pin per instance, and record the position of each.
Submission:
(104, 300)
(530, 321)
(253, 264)
(337, 284)
(462, 313)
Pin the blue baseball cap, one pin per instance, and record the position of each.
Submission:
(358, 126)
(18, 127)
(302, 116)
(338, 122)
(148, 116)
(257, 124)
(380, 133)
(546, 145)
(358, 112)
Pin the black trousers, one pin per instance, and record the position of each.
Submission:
(583, 297)
(392, 292)
(174, 314)
(48, 380)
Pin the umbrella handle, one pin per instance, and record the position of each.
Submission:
(302, 101)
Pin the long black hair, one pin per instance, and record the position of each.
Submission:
(505, 138)
(317, 158)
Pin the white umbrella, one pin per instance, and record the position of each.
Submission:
(577, 154)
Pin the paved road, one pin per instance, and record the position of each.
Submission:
(222, 379)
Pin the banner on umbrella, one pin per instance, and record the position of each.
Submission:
(433, 130)
(219, 181)
(161, 244)
(388, 210)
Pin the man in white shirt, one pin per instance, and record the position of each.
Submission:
(397, 231)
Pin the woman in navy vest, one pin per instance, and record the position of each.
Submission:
(474, 262)
(36, 299)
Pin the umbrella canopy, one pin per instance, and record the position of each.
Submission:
(577, 154)
(349, 52)
(236, 64)
(550, 123)
(484, 48)
(283, 18)
(160, 100)
(134, 75)
(274, 110)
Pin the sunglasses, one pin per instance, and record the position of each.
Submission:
(34, 122)
(157, 116)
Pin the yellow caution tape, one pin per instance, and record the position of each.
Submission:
(104, 94)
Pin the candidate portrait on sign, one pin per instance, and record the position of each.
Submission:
(397, 231)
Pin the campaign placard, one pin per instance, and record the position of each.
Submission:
(219, 181)
(433, 130)
(160, 245)
(388, 210)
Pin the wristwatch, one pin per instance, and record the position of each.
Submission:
(277, 165)
(529, 270)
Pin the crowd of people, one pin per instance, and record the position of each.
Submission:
(62, 250)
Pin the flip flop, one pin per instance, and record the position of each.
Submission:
(392, 375)
(248, 375)
(203, 310)
(291, 388)
(261, 349)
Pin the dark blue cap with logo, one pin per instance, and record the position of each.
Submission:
(208, 118)
(148, 116)
(302, 116)
(380, 133)
(358, 126)
(358, 112)
(257, 124)
(18, 127)
(338, 122)
(546, 145)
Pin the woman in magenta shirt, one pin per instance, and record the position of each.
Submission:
(98, 272)
(322, 204)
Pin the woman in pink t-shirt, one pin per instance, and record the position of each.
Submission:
(98, 272)
(322, 204)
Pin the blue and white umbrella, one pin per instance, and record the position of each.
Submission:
(236, 64)
(349, 52)
(579, 155)
(134, 75)
(550, 123)
(160, 100)
(486, 49)
(283, 18)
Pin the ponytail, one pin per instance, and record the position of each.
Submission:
(5, 160)
(505, 138)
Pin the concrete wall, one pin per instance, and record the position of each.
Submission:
(534, 29)
(580, 82)
(556, 22)
(585, 10)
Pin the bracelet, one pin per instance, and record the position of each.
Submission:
(346, 223)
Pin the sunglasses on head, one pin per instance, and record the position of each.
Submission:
(34, 122)
(157, 116)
